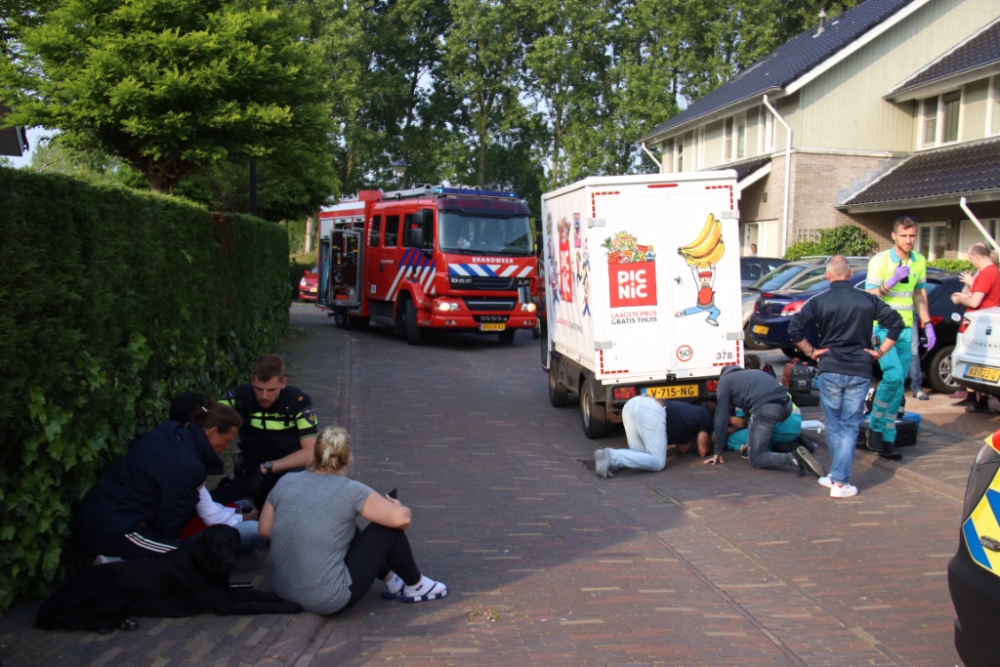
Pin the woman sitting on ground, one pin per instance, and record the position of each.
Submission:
(320, 558)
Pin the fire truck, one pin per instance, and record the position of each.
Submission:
(432, 257)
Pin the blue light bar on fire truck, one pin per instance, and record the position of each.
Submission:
(441, 190)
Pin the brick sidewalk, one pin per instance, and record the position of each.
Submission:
(549, 565)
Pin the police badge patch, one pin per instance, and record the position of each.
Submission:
(310, 415)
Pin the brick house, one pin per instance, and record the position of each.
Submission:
(892, 108)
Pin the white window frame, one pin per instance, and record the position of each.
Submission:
(932, 226)
(699, 148)
(940, 119)
(730, 142)
(991, 102)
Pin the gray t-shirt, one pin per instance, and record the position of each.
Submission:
(313, 527)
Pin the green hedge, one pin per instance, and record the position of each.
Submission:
(951, 265)
(111, 302)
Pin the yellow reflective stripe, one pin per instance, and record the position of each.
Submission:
(270, 424)
(986, 523)
(302, 423)
(231, 402)
(899, 307)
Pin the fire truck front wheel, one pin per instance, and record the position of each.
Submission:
(413, 336)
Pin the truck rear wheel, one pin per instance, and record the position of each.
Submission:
(341, 319)
(413, 336)
(507, 336)
(592, 413)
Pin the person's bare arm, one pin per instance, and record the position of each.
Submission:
(386, 511)
(299, 459)
(973, 300)
(920, 305)
(704, 443)
(266, 521)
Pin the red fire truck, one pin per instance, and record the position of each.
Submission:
(429, 258)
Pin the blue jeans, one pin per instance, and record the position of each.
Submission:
(916, 374)
(843, 399)
(646, 429)
(249, 535)
(760, 426)
(895, 366)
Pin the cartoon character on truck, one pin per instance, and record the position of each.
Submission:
(702, 255)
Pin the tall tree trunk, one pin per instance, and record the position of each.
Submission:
(310, 226)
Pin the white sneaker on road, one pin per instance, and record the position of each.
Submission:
(825, 481)
(843, 490)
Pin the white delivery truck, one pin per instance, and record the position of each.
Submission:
(642, 291)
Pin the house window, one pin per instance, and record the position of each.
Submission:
(932, 239)
(969, 234)
(993, 111)
(735, 137)
(766, 139)
(941, 116)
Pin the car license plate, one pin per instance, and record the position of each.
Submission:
(988, 374)
(312, 290)
(677, 391)
(761, 329)
(492, 326)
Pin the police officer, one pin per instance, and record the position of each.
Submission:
(278, 433)
(897, 276)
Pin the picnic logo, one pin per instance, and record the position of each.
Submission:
(631, 271)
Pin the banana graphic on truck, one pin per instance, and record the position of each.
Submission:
(702, 255)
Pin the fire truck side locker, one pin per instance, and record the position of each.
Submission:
(642, 290)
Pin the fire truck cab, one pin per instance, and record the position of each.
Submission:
(429, 258)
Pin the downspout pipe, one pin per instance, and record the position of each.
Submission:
(651, 156)
(963, 202)
(788, 173)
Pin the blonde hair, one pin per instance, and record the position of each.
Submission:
(332, 454)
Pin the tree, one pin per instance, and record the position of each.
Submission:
(484, 53)
(54, 155)
(169, 86)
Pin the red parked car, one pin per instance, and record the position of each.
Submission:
(309, 284)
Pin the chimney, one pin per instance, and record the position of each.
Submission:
(822, 22)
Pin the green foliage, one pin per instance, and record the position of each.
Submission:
(54, 155)
(848, 240)
(170, 86)
(111, 302)
(956, 265)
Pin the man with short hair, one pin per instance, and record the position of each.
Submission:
(765, 404)
(897, 276)
(844, 317)
(650, 425)
(278, 433)
(980, 292)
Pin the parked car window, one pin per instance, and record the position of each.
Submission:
(772, 264)
(778, 277)
(750, 270)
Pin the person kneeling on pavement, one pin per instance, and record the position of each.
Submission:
(766, 404)
(138, 509)
(785, 437)
(650, 425)
(321, 559)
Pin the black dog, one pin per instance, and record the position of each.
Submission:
(193, 579)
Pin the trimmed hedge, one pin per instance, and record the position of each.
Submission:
(955, 265)
(111, 302)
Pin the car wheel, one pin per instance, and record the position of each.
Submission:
(749, 343)
(592, 413)
(939, 370)
(413, 336)
(558, 396)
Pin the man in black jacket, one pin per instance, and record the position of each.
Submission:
(766, 404)
(845, 318)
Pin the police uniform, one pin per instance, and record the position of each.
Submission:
(896, 362)
(267, 434)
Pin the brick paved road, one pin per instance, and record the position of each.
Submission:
(691, 566)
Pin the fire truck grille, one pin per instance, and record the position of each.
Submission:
(490, 318)
(489, 304)
(493, 283)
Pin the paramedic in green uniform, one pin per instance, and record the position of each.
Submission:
(897, 275)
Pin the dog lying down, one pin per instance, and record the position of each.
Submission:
(191, 580)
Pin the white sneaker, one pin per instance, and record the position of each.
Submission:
(825, 481)
(426, 589)
(843, 491)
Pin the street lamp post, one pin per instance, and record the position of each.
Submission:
(399, 168)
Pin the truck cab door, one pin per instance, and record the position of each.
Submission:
(378, 269)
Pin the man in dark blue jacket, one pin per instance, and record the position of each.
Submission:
(845, 317)
(139, 508)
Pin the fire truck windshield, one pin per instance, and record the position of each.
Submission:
(478, 234)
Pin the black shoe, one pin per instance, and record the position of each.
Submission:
(889, 451)
(874, 442)
(805, 461)
(968, 400)
(808, 444)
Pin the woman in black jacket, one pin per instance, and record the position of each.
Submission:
(139, 507)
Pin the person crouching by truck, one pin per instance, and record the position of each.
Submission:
(766, 404)
(650, 425)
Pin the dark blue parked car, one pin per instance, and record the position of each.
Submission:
(773, 312)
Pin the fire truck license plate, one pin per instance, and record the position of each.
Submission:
(678, 391)
(492, 326)
(988, 374)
